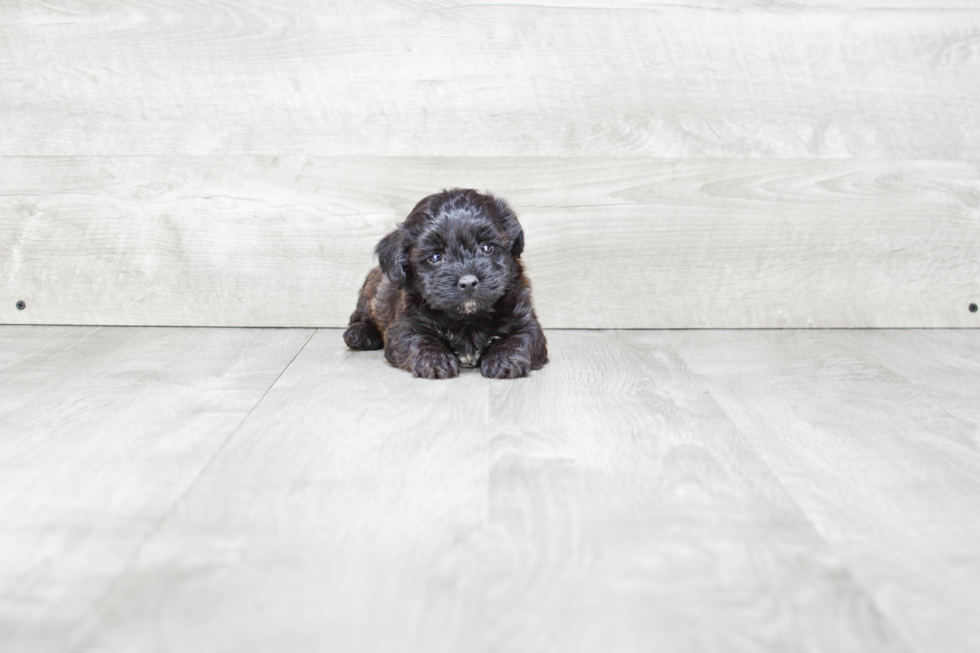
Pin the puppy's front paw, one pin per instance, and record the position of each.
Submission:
(505, 365)
(434, 365)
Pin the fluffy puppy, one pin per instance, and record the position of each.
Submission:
(450, 292)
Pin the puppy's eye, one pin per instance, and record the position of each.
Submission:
(435, 258)
(486, 248)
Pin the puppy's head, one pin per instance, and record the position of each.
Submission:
(458, 249)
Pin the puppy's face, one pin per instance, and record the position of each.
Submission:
(458, 249)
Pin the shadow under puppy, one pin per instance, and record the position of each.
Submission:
(450, 291)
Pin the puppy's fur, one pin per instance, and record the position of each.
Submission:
(450, 292)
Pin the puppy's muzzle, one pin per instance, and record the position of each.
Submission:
(467, 285)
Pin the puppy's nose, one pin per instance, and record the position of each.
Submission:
(468, 283)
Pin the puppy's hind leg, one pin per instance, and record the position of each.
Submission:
(363, 335)
(362, 332)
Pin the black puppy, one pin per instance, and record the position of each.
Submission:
(451, 291)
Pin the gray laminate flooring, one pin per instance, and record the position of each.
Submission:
(168, 489)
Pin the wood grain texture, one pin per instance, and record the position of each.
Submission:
(604, 502)
(382, 77)
(611, 242)
(102, 430)
(877, 436)
(629, 514)
(342, 517)
(669, 490)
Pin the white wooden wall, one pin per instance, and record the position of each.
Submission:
(705, 163)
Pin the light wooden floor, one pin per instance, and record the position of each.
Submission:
(167, 489)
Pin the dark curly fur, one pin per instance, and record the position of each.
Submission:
(450, 292)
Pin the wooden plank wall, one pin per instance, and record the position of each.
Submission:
(697, 164)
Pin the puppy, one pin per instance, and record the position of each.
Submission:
(450, 292)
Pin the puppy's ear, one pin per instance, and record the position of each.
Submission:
(392, 253)
(518, 247)
(511, 225)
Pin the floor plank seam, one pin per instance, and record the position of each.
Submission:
(98, 605)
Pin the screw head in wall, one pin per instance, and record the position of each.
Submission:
(973, 308)
(21, 305)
